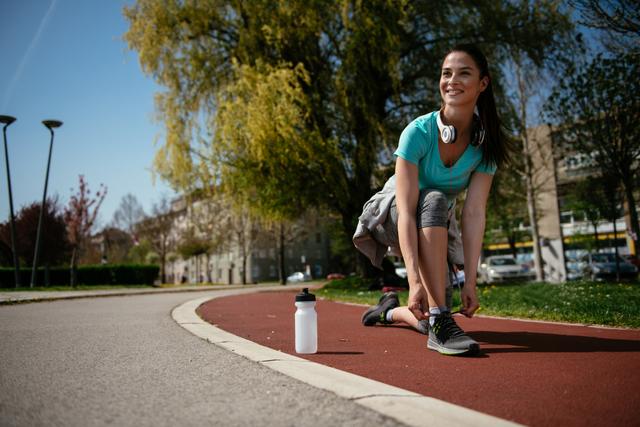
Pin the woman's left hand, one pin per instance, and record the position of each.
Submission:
(469, 300)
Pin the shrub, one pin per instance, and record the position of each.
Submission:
(115, 274)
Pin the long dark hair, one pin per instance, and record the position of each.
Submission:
(496, 147)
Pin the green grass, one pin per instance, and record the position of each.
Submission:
(612, 304)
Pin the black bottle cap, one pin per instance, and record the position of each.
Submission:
(305, 296)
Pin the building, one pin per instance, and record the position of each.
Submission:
(240, 243)
(561, 230)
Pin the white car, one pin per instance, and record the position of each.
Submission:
(503, 268)
(401, 270)
(298, 276)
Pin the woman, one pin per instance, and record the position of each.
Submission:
(440, 155)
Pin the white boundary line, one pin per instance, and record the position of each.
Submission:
(405, 406)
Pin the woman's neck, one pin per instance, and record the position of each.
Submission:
(459, 116)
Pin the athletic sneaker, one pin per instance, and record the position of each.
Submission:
(446, 337)
(378, 313)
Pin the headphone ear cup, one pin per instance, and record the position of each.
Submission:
(448, 134)
(478, 131)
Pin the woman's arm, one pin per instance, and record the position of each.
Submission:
(473, 221)
(407, 192)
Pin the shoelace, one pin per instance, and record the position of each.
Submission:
(446, 328)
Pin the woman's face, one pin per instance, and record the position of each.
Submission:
(460, 82)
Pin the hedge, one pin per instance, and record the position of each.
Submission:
(110, 274)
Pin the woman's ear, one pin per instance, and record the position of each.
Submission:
(484, 83)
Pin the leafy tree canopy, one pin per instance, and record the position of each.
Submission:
(597, 109)
(303, 101)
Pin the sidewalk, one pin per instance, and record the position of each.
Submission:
(15, 297)
(529, 372)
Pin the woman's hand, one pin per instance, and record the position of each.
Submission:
(418, 302)
(469, 300)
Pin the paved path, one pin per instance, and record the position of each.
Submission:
(124, 361)
(12, 297)
(530, 372)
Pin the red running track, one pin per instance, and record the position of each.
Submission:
(533, 373)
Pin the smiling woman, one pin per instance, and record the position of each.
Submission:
(439, 155)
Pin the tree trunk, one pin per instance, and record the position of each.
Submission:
(73, 270)
(208, 268)
(531, 197)
(245, 257)
(615, 245)
(595, 235)
(281, 262)
(531, 207)
(512, 244)
(633, 213)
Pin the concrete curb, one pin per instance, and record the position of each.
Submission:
(405, 406)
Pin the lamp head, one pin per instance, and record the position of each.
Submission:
(7, 120)
(52, 124)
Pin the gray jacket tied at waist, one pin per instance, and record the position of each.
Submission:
(374, 215)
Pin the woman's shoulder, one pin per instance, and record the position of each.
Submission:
(424, 122)
(421, 125)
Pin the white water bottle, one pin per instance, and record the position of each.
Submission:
(306, 323)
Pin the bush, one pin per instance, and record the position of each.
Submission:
(115, 274)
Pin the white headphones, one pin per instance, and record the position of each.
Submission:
(448, 132)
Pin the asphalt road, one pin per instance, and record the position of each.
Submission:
(123, 361)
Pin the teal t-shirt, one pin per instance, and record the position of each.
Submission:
(419, 145)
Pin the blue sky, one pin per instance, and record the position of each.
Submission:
(65, 60)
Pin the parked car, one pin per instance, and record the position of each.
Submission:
(574, 269)
(603, 267)
(633, 260)
(298, 276)
(458, 279)
(401, 270)
(501, 268)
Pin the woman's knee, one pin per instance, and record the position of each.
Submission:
(433, 207)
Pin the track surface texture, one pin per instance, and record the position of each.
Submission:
(532, 373)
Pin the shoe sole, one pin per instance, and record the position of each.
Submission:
(471, 351)
(374, 320)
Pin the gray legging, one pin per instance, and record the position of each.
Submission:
(432, 211)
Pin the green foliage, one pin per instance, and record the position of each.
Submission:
(193, 246)
(302, 101)
(264, 140)
(507, 208)
(115, 274)
(597, 108)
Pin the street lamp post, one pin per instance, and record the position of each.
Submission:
(7, 120)
(51, 125)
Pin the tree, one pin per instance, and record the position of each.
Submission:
(80, 216)
(619, 20)
(597, 109)
(156, 229)
(128, 214)
(585, 198)
(507, 207)
(347, 76)
(55, 245)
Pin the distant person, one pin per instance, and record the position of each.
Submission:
(440, 154)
